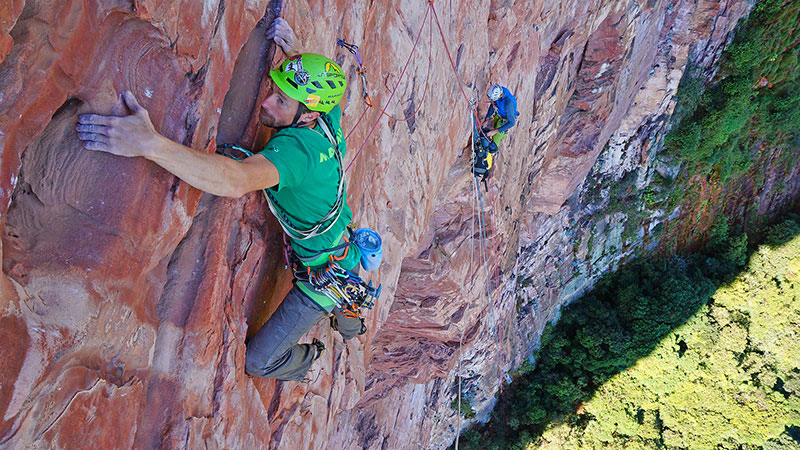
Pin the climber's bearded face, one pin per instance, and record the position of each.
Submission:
(278, 109)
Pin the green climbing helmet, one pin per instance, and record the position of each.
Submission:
(311, 79)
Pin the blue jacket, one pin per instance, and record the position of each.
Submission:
(506, 108)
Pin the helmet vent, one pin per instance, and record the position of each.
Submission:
(317, 85)
(331, 84)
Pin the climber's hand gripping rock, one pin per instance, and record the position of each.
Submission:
(130, 135)
(282, 34)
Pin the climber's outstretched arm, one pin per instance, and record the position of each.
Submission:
(134, 135)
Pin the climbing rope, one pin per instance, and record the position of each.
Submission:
(477, 205)
(363, 113)
(394, 91)
(453, 65)
(484, 246)
(369, 105)
(461, 331)
(481, 221)
(461, 86)
(427, 78)
(477, 214)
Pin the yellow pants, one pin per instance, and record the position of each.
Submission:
(498, 122)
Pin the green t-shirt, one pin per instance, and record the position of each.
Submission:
(309, 178)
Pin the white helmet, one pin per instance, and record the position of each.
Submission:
(495, 92)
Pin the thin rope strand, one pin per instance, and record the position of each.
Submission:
(375, 125)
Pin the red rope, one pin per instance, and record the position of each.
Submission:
(430, 59)
(357, 122)
(427, 78)
(383, 111)
(424, 92)
(449, 56)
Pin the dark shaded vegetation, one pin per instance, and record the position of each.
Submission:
(633, 363)
(467, 395)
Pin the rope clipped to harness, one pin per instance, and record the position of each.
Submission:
(362, 71)
(482, 153)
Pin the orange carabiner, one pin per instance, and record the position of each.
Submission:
(350, 313)
(344, 255)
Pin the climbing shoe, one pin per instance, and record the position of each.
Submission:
(320, 348)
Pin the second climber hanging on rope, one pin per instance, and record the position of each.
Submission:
(501, 116)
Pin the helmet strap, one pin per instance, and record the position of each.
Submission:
(296, 122)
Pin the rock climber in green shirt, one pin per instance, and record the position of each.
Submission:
(301, 170)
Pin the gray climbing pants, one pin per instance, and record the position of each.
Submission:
(274, 351)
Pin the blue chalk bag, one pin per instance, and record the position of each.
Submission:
(369, 242)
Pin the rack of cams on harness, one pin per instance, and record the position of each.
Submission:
(345, 288)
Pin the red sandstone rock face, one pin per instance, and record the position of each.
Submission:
(127, 295)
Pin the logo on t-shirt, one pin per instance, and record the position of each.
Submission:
(323, 157)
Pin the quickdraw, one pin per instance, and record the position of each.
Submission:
(362, 71)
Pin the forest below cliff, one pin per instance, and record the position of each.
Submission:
(697, 351)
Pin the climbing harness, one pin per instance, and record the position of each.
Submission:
(478, 200)
(482, 159)
(347, 290)
(483, 150)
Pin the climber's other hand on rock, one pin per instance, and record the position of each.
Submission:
(283, 35)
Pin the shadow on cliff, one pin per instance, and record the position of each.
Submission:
(604, 333)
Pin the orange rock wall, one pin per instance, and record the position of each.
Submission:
(127, 295)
